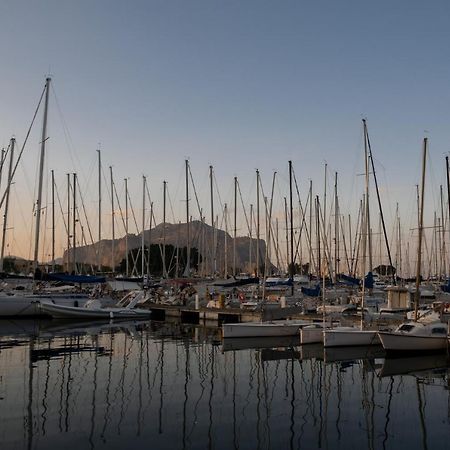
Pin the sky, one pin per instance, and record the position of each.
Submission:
(238, 85)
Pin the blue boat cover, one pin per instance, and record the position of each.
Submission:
(311, 292)
(349, 280)
(288, 282)
(75, 278)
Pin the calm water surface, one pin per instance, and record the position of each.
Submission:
(171, 386)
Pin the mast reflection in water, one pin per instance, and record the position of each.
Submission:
(149, 385)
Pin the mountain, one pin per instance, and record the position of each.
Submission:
(201, 236)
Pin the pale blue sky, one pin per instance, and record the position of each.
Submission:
(236, 84)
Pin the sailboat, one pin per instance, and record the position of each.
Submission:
(275, 327)
(353, 336)
(427, 333)
(22, 303)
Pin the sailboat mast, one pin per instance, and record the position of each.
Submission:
(379, 200)
(113, 235)
(235, 226)
(367, 209)
(319, 257)
(187, 270)
(149, 238)
(41, 177)
(74, 215)
(126, 228)
(99, 265)
(8, 188)
(213, 250)
(419, 246)
(291, 265)
(68, 222)
(287, 233)
(2, 161)
(53, 220)
(251, 239)
(310, 229)
(164, 230)
(336, 228)
(225, 271)
(257, 223)
(448, 187)
(144, 182)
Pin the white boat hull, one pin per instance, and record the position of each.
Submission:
(400, 342)
(343, 337)
(70, 312)
(311, 335)
(262, 329)
(29, 305)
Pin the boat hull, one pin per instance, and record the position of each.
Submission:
(311, 335)
(69, 312)
(350, 337)
(28, 306)
(401, 343)
(262, 329)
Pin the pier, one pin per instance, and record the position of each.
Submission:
(222, 315)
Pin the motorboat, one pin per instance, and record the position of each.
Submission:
(418, 336)
(125, 309)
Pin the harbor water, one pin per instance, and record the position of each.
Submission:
(139, 385)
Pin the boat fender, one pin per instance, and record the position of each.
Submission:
(111, 314)
(241, 296)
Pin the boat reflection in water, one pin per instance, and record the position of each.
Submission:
(125, 385)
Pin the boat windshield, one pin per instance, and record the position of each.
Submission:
(439, 330)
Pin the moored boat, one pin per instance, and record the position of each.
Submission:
(349, 336)
(312, 334)
(27, 305)
(416, 337)
(260, 329)
(125, 309)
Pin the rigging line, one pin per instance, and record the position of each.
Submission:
(151, 205)
(5, 155)
(217, 190)
(132, 213)
(243, 206)
(345, 244)
(67, 137)
(88, 180)
(27, 180)
(24, 143)
(86, 217)
(14, 194)
(195, 190)
(171, 206)
(303, 212)
(120, 207)
(379, 199)
(325, 244)
(61, 209)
